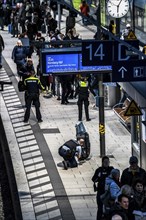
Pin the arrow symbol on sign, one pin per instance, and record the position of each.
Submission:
(122, 70)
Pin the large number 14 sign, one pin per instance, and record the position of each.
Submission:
(98, 53)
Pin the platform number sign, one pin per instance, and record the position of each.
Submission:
(97, 53)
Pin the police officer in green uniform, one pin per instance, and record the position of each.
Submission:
(83, 98)
(32, 85)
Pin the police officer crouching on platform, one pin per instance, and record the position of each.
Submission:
(83, 98)
(71, 151)
(32, 86)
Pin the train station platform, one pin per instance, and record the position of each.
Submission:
(45, 189)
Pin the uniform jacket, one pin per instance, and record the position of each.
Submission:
(100, 175)
(33, 85)
(82, 89)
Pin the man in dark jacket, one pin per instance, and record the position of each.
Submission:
(132, 172)
(99, 179)
(70, 21)
(51, 23)
(2, 46)
(26, 69)
(54, 8)
(19, 55)
(121, 208)
(1, 16)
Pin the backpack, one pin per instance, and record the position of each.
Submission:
(21, 86)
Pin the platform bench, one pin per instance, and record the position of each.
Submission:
(120, 109)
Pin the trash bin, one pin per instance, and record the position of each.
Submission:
(82, 133)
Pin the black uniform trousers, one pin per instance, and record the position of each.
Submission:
(81, 101)
(33, 97)
(66, 90)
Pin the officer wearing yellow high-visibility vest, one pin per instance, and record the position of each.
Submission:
(32, 86)
(83, 98)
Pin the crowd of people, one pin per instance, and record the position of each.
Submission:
(27, 21)
(120, 196)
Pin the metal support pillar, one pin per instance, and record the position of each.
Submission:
(98, 21)
(59, 17)
(136, 147)
(133, 16)
(133, 130)
(118, 26)
(101, 118)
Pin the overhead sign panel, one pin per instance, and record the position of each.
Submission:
(133, 109)
(129, 71)
(66, 61)
(96, 53)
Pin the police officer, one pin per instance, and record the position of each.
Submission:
(32, 85)
(83, 96)
(71, 151)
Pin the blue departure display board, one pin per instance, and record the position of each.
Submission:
(66, 60)
(61, 63)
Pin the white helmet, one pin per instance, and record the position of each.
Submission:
(127, 25)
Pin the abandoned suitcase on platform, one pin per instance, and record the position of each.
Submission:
(82, 133)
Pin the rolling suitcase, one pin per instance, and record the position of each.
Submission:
(82, 133)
